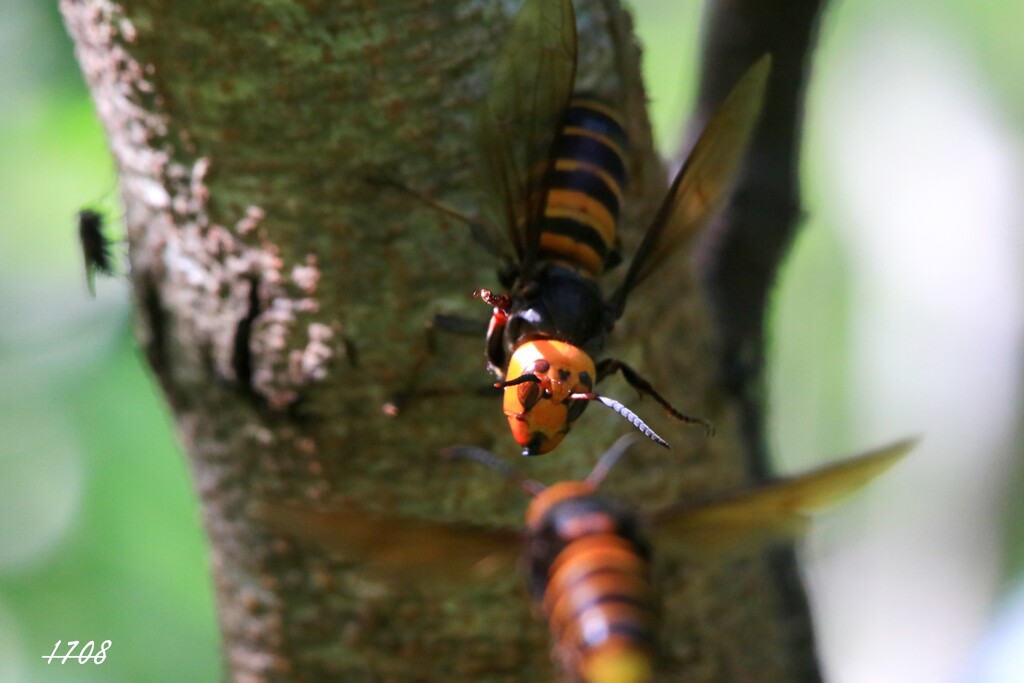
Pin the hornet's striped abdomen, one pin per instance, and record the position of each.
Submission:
(590, 570)
(585, 188)
(599, 605)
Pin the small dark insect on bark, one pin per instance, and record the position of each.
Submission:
(96, 247)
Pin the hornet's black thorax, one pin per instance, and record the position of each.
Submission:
(556, 303)
(559, 529)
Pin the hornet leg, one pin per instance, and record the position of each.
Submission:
(413, 392)
(610, 366)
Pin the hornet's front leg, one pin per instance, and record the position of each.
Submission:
(497, 358)
(610, 366)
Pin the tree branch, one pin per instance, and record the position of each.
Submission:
(740, 255)
(742, 252)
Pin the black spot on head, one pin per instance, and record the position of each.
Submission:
(564, 374)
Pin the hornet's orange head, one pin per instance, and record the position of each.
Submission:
(549, 384)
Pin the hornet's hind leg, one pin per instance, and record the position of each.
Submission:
(610, 366)
(413, 392)
(485, 237)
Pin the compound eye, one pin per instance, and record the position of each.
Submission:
(540, 366)
(586, 380)
(528, 394)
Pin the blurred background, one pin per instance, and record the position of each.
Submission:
(899, 313)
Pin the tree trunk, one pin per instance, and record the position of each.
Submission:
(281, 303)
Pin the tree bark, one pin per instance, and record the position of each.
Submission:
(281, 303)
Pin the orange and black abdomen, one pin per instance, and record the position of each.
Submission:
(591, 573)
(585, 187)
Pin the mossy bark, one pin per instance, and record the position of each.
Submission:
(281, 303)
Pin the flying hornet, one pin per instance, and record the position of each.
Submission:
(587, 559)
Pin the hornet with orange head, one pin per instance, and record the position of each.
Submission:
(556, 170)
(587, 559)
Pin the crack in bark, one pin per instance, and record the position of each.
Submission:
(241, 357)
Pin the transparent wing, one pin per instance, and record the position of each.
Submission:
(773, 511)
(521, 117)
(703, 183)
(396, 548)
